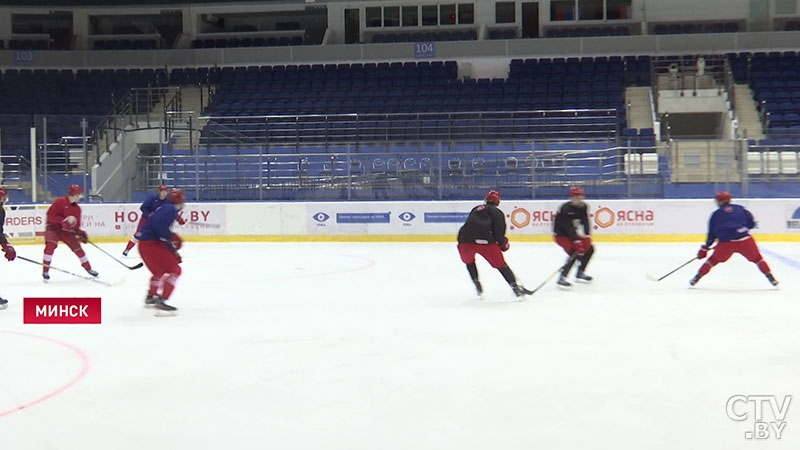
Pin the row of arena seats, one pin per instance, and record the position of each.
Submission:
(792, 25)
(773, 77)
(643, 137)
(468, 35)
(410, 87)
(66, 97)
(90, 92)
(281, 41)
(26, 44)
(503, 34)
(693, 28)
(126, 44)
(587, 32)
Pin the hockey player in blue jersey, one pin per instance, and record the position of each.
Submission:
(730, 224)
(159, 247)
(149, 206)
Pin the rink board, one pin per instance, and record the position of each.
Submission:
(428, 221)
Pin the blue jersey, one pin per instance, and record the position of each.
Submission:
(157, 226)
(729, 223)
(150, 205)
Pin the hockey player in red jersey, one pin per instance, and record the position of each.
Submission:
(573, 233)
(64, 224)
(9, 251)
(730, 224)
(159, 249)
(484, 233)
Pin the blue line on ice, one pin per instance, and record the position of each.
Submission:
(784, 259)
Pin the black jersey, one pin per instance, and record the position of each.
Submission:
(569, 219)
(486, 224)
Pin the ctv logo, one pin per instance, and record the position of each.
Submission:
(759, 409)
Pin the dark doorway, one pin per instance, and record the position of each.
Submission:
(530, 20)
(352, 26)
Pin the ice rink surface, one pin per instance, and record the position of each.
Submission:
(385, 346)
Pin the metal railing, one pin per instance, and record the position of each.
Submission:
(336, 129)
(685, 73)
(445, 173)
(141, 108)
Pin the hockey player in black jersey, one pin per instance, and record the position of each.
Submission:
(484, 233)
(572, 232)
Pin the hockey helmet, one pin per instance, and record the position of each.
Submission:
(163, 187)
(177, 196)
(723, 197)
(493, 197)
(575, 191)
(75, 190)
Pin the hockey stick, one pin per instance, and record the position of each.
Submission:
(137, 266)
(675, 269)
(679, 267)
(570, 261)
(104, 283)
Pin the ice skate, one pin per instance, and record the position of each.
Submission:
(562, 281)
(125, 252)
(771, 279)
(583, 277)
(159, 303)
(150, 301)
(92, 272)
(45, 276)
(520, 290)
(478, 287)
(694, 280)
(3, 303)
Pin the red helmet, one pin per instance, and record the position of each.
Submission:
(163, 187)
(575, 191)
(3, 192)
(723, 197)
(177, 196)
(75, 190)
(493, 197)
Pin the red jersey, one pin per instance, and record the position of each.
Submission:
(60, 210)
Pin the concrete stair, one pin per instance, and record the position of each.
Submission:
(640, 108)
(746, 111)
(193, 103)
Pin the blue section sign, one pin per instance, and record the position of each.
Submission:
(23, 58)
(362, 217)
(424, 50)
(445, 217)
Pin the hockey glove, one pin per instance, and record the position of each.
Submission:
(9, 251)
(701, 254)
(82, 236)
(506, 246)
(178, 258)
(177, 242)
